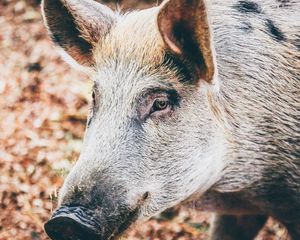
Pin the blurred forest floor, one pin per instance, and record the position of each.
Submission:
(43, 108)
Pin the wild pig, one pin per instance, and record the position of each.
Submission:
(192, 102)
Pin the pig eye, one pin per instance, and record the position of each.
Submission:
(159, 105)
(91, 111)
(93, 97)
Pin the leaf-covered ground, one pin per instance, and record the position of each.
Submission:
(43, 107)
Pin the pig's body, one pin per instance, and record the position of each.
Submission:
(180, 115)
(258, 59)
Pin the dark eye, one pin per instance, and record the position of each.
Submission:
(93, 97)
(160, 104)
(157, 104)
(92, 106)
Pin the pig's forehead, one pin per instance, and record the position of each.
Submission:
(133, 38)
(133, 55)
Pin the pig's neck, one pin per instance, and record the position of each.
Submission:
(256, 128)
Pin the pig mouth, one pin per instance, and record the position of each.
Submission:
(124, 225)
(80, 223)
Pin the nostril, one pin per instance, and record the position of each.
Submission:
(65, 226)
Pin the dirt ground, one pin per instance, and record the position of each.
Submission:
(43, 108)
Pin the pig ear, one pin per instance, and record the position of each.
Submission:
(77, 25)
(184, 28)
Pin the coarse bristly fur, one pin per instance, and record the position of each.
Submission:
(230, 140)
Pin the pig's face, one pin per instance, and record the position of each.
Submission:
(150, 141)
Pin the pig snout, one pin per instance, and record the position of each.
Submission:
(72, 223)
(105, 221)
(78, 223)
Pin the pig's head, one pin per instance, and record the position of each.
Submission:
(150, 141)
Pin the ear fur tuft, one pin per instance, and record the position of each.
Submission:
(184, 27)
(77, 25)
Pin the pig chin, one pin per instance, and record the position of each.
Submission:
(81, 223)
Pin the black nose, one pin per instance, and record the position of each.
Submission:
(71, 224)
